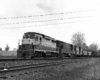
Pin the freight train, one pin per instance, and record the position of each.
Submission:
(39, 45)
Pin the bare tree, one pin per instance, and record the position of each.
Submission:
(7, 48)
(94, 46)
(78, 39)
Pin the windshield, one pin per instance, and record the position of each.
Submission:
(31, 36)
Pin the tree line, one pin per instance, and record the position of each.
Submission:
(6, 48)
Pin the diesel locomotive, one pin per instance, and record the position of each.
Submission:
(39, 45)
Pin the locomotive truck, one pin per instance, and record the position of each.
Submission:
(39, 45)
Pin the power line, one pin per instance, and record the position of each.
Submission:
(47, 20)
(51, 14)
(45, 25)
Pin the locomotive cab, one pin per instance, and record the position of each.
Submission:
(32, 38)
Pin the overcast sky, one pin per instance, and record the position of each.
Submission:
(59, 19)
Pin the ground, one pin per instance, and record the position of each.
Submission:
(85, 69)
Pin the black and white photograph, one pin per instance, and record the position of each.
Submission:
(49, 40)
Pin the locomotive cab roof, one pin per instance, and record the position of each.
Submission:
(44, 36)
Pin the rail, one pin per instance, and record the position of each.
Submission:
(24, 67)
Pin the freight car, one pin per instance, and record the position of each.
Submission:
(39, 45)
(81, 52)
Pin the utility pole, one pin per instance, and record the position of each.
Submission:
(18, 42)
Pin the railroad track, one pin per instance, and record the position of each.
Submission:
(19, 70)
(53, 62)
(19, 62)
(40, 64)
(24, 67)
(19, 59)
